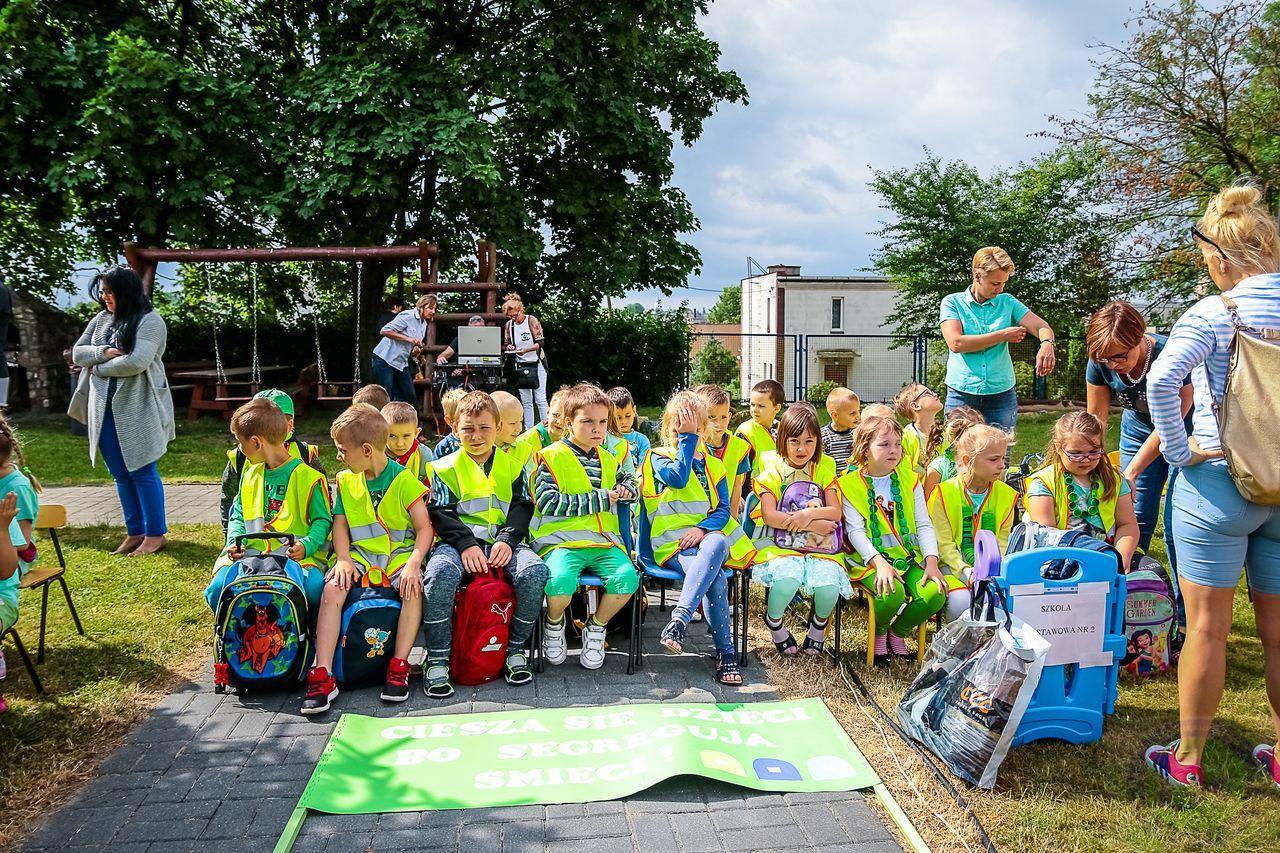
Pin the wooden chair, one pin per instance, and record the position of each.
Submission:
(49, 520)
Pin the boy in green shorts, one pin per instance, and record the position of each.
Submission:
(381, 534)
(236, 461)
(577, 486)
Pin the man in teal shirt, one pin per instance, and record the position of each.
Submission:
(978, 324)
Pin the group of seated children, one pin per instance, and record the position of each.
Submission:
(895, 510)
(19, 506)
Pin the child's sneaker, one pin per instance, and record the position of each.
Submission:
(592, 646)
(321, 690)
(1164, 760)
(4, 665)
(397, 687)
(435, 679)
(554, 648)
(1265, 755)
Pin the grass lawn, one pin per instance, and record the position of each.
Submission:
(147, 627)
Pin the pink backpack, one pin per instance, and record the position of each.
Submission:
(482, 616)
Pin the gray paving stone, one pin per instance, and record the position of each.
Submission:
(524, 836)
(161, 830)
(480, 836)
(695, 833)
(653, 833)
(601, 826)
(778, 816)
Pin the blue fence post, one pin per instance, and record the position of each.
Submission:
(917, 361)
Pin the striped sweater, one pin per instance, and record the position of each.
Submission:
(548, 499)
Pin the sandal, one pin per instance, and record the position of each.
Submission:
(436, 683)
(728, 672)
(672, 638)
(518, 671)
(787, 647)
(812, 646)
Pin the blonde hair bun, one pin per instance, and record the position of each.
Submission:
(1236, 200)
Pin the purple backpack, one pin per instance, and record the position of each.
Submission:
(803, 495)
(1150, 625)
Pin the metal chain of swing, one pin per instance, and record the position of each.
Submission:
(219, 370)
(313, 297)
(255, 371)
(359, 299)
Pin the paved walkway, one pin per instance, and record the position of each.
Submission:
(89, 505)
(208, 770)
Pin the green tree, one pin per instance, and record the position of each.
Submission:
(728, 308)
(715, 365)
(545, 126)
(1047, 214)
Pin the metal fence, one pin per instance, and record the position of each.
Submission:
(875, 367)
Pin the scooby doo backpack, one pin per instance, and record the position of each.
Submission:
(481, 625)
(368, 635)
(803, 494)
(262, 625)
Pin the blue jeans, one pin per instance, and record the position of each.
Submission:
(141, 492)
(1217, 531)
(703, 570)
(999, 410)
(399, 383)
(1149, 487)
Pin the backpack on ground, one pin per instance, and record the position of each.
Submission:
(368, 636)
(1030, 534)
(482, 617)
(1150, 622)
(262, 625)
(1248, 409)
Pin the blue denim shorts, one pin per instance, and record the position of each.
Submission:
(1217, 531)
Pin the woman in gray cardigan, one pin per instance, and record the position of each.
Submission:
(129, 407)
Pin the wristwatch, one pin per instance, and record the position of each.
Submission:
(1050, 341)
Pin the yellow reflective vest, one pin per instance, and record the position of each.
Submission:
(597, 530)
(483, 499)
(672, 512)
(528, 443)
(855, 491)
(292, 517)
(949, 507)
(417, 464)
(293, 445)
(760, 440)
(1050, 477)
(735, 450)
(382, 538)
(775, 475)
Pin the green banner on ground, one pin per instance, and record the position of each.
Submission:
(576, 755)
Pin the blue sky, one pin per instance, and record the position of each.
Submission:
(841, 87)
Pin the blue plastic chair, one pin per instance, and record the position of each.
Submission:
(737, 581)
(1071, 702)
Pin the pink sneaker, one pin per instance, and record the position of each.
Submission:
(4, 706)
(1163, 760)
(1265, 755)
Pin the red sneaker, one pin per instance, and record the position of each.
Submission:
(397, 687)
(1164, 760)
(1265, 755)
(321, 690)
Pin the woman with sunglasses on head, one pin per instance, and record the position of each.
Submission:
(978, 324)
(1121, 352)
(1216, 530)
(130, 409)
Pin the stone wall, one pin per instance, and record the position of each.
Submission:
(39, 334)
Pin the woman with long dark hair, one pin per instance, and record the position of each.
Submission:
(130, 409)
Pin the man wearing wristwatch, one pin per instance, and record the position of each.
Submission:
(978, 324)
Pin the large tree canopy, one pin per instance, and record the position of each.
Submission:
(545, 126)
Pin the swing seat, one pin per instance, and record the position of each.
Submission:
(336, 392)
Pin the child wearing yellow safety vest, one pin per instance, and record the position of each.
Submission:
(577, 485)
(920, 406)
(943, 465)
(480, 509)
(686, 526)
(381, 535)
(975, 499)
(1081, 490)
(510, 420)
(624, 410)
(541, 435)
(732, 450)
(404, 443)
(236, 461)
(784, 570)
(278, 494)
(889, 527)
(767, 398)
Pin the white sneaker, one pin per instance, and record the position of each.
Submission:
(554, 647)
(592, 646)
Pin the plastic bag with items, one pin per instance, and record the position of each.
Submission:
(977, 680)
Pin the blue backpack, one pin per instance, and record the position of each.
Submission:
(368, 636)
(262, 626)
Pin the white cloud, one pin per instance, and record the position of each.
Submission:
(841, 87)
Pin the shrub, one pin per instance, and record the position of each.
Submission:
(818, 393)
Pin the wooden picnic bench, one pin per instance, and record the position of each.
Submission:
(211, 392)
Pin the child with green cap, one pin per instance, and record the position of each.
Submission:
(298, 449)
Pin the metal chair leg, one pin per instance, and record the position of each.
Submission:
(633, 646)
(836, 614)
(44, 616)
(26, 660)
(66, 593)
(744, 592)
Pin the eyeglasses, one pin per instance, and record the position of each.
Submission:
(1197, 234)
(1082, 457)
(1118, 358)
(917, 397)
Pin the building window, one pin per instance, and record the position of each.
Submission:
(837, 314)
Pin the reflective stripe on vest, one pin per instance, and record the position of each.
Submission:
(575, 531)
(373, 532)
(854, 490)
(484, 500)
(292, 516)
(760, 439)
(674, 511)
(770, 464)
(1001, 503)
(1049, 477)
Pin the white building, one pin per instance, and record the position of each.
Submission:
(834, 327)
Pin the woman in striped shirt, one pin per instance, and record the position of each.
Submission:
(1215, 528)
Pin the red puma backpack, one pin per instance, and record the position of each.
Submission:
(482, 617)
